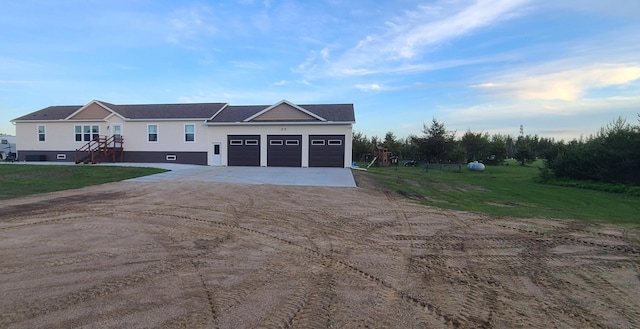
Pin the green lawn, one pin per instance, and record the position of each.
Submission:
(18, 180)
(508, 190)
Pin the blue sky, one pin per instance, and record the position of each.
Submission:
(561, 69)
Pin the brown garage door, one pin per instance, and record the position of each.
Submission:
(326, 151)
(284, 151)
(243, 150)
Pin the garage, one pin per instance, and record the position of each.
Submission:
(284, 150)
(326, 150)
(243, 150)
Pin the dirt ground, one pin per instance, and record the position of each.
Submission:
(211, 255)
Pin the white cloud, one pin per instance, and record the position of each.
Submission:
(409, 37)
(369, 87)
(480, 14)
(281, 83)
(191, 23)
(567, 85)
(558, 119)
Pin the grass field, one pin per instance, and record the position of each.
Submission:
(508, 190)
(18, 180)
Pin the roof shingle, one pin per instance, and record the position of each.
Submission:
(204, 111)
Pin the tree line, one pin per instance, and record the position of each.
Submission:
(612, 155)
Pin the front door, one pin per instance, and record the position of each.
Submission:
(216, 155)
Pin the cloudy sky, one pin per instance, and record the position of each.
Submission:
(561, 69)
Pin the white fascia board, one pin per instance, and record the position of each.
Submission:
(87, 120)
(218, 112)
(284, 101)
(303, 123)
(176, 119)
(37, 121)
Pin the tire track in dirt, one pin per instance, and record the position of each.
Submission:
(24, 311)
(536, 259)
(322, 265)
(326, 261)
(564, 233)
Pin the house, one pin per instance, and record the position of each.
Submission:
(216, 134)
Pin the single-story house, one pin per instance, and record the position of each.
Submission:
(216, 134)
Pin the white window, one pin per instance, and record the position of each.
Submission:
(293, 142)
(86, 133)
(152, 133)
(317, 142)
(171, 157)
(61, 156)
(189, 133)
(335, 142)
(275, 142)
(251, 142)
(235, 142)
(41, 134)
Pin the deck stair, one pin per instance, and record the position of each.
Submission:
(100, 149)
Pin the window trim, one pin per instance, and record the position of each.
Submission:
(43, 133)
(292, 142)
(278, 142)
(96, 134)
(251, 142)
(157, 133)
(186, 133)
(334, 142)
(85, 136)
(236, 142)
(317, 142)
(171, 157)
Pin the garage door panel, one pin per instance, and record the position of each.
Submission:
(284, 150)
(326, 150)
(243, 150)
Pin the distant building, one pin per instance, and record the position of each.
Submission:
(7, 145)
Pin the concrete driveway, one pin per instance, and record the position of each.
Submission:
(335, 177)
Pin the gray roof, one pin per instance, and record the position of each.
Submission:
(204, 111)
(140, 111)
(167, 111)
(330, 112)
(51, 113)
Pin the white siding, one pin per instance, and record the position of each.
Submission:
(219, 134)
(60, 136)
(170, 136)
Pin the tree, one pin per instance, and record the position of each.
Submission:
(361, 147)
(511, 147)
(525, 150)
(611, 156)
(409, 148)
(476, 146)
(391, 143)
(497, 149)
(438, 143)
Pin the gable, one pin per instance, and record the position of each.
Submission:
(91, 112)
(284, 112)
